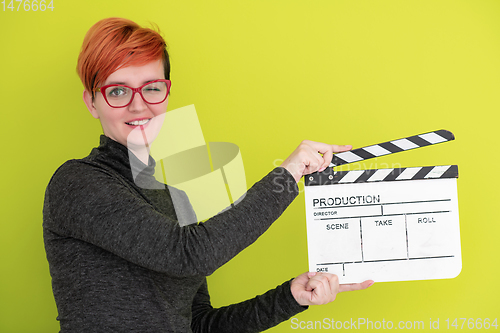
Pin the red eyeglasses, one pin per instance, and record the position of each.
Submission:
(119, 95)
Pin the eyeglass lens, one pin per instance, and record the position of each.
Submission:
(154, 92)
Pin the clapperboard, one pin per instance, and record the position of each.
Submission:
(384, 224)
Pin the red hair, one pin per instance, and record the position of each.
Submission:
(115, 43)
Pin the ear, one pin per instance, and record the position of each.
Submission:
(87, 98)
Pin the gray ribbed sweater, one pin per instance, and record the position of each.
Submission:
(120, 262)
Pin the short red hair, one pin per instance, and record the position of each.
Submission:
(115, 43)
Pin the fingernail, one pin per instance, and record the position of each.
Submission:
(371, 284)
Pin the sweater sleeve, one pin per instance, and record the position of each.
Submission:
(92, 204)
(251, 316)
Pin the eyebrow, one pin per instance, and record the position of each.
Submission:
(125, 84)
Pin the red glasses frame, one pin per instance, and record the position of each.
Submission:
(134, 90)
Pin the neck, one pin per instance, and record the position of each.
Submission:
(141, 152)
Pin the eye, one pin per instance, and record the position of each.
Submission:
(152, 87)
(117, 91)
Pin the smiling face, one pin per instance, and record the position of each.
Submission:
(139, 117)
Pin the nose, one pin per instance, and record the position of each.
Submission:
(138, 104)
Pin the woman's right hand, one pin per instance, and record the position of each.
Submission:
(310, 157)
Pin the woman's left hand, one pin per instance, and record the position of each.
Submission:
(321, 288)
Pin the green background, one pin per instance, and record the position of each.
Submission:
(266, 75)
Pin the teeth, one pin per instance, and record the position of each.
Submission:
(138, 122)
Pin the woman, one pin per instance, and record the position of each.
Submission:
(118, 258)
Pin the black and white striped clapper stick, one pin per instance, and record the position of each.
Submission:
(381, 175)
(390, 147)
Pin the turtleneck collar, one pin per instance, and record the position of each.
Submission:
(117, 157)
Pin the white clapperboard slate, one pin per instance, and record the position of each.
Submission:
(384, 224)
